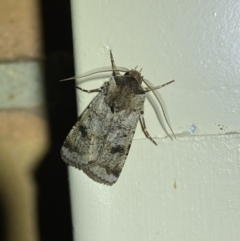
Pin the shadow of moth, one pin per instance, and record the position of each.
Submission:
(99, 142)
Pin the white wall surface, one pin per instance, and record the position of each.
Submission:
(187, 189)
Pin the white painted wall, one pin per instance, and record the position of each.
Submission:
(187, 189)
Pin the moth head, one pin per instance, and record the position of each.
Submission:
(136, 75)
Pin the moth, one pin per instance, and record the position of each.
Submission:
(99, 142)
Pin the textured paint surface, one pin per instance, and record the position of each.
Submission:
(195, 43)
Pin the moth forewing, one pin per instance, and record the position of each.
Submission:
(100, 140)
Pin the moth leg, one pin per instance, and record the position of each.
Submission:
(114, 68)
(147, 89)
(89, 91)
(144, 128)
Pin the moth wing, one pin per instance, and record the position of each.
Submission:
(115, 150)
(87, 137)
(100, 140)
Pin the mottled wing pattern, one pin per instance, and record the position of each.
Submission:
(100, 141)
(115, 150)
(85, 141)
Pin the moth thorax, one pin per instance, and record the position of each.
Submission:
(136, 75)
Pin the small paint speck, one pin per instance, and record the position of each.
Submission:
(175, 184)
(192, 129)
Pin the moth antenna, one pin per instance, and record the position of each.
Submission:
(140, 70)
(96, 71)
(158, 97)
(114, 68)
(136, 67)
